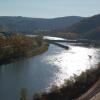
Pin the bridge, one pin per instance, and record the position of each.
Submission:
(50, 41)
(71, 41)
(60, 45)
(55, 42)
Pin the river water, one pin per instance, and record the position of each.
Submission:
(40, 72)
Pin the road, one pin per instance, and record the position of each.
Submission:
(93, 93)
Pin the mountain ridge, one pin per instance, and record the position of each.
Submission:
(88, 27)
(36, 25)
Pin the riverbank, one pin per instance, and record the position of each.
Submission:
(31, 53)
(93, 93)
(72, 88)
(38, 50)
(18, 47)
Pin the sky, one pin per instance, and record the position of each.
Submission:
(49, 8)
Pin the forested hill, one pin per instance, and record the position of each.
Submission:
(69, 27)
(88, 27)
(36, 25)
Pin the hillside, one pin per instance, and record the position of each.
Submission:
(94, 34)
(69, 27)
(36, 25)
(88, 27)
(86, 24)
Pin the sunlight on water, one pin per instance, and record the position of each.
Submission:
(73, 61)
(39, 73)
(53, 38)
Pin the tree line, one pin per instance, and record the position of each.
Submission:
(17, 45)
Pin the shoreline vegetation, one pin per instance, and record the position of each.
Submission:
(17, 47)
(73, 87)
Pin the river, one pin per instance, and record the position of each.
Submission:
(40, 72)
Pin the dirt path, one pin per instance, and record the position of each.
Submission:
(93, 93)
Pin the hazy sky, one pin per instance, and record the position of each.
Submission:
(49, 8)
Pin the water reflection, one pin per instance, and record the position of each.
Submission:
(53, 38)
(74, 61)
(40, 72)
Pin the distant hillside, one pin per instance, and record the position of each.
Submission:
(93, 34)
(69, 27)
(36, 25)
(88, 27)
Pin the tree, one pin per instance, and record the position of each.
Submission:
(23, 95)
